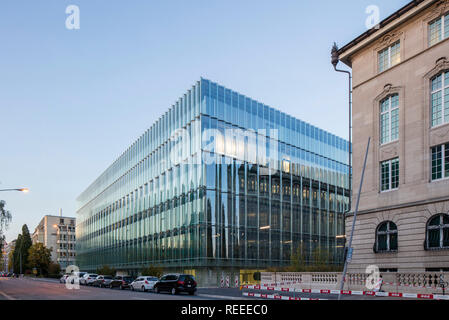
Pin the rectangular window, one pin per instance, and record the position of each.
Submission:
(440, 99)
(438, 30)
(389, 175)
(440, 162)
(389, 119)
(390, 56)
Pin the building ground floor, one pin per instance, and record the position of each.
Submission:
(211, 276)
(410, 238)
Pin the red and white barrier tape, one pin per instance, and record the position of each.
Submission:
(355, 293)
(276, 297)
(280, 283)
(403, 285)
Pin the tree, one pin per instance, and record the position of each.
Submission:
(39, 257)
(152, 271)
(298, 262)
(20, 255)
(26, 245)
(54, 269)
(2, 240)
(11, 260)
(106, 271)
(319, 261)
(5, 217)
(17, 255)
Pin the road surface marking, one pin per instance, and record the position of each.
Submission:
(7, 296)
(220, 297)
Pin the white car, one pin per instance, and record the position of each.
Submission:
(88, 279)
(144, 283)
(63, 278)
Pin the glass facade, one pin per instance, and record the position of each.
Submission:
(220, 180)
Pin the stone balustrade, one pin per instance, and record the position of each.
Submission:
(419, 282)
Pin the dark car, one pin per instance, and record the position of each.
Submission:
(175, 283)
(121, 282)
(102, 281)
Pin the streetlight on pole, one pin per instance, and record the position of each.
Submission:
(24, 190)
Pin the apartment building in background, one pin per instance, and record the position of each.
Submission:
(401, 101)
(58, 233)
(220, 183)
(8, 249)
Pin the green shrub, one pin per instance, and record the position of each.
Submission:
(106, 271)
(152, 271)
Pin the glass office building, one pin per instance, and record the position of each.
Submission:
(219, 181)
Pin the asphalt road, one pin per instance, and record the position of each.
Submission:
(49, 289)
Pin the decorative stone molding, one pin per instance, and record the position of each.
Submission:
(385, 42)
(388, 153)
(441, 65)
(389, 39)
(439, 135)
(440, 8)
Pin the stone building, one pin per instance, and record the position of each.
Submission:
(401, 100)
(58, 233)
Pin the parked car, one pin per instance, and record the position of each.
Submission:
(73, 277)
(122, 282)
(175, 283)
(144, 283)
(88, 279)
(63, 278)
(79, 274)
(102, 281)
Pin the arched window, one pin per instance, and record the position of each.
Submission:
(437, 235)
(386, 237)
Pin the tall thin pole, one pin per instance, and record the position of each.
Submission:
(67, 249)
(354, 219)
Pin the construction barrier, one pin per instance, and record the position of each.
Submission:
(406, 285)
(280, 283)
(355, 293)
(276, 297)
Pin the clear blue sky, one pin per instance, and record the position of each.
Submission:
(72, 100)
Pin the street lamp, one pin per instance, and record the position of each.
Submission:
(24, 190)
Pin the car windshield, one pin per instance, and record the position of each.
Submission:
(93, 275)
(128, 278)
(153, 279)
